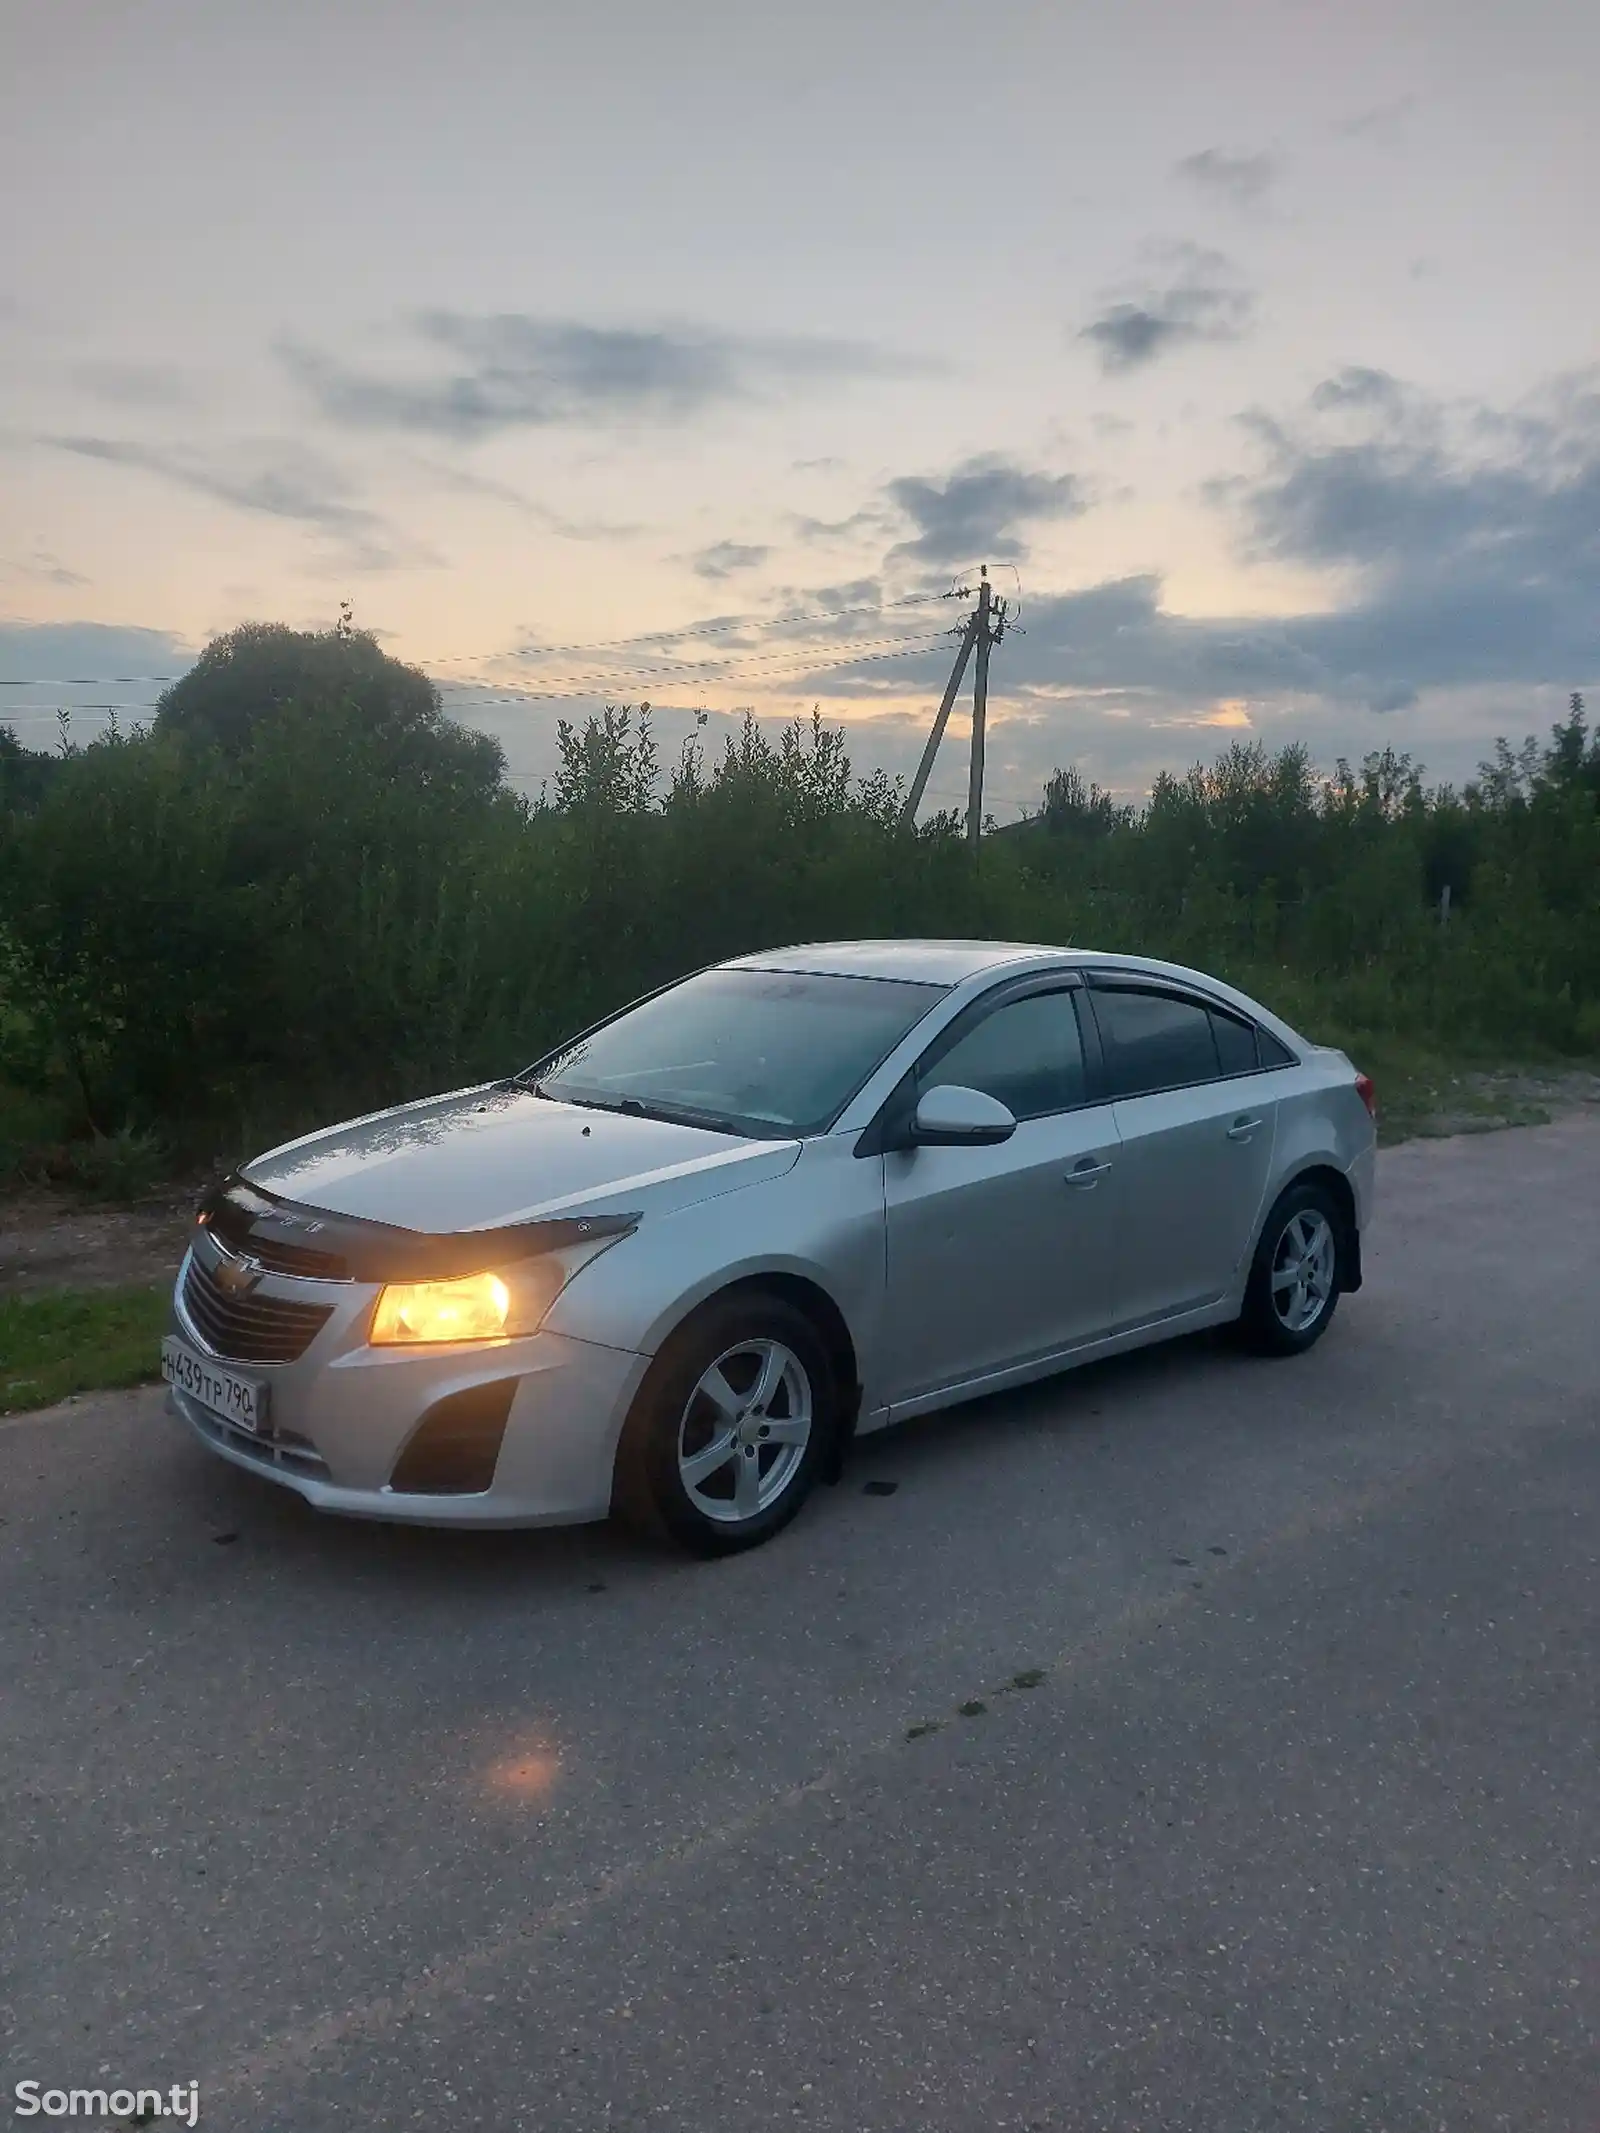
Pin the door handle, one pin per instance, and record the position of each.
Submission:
(1242, 1128)
(1086, 1175)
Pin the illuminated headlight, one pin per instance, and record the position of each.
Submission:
(476, 1307)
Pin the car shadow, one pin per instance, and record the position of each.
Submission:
(1069, 1404)
(324, 1554)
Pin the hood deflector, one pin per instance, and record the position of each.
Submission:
(286, 1237)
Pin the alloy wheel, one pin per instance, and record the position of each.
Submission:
(744, 1430)
(1303, 1268)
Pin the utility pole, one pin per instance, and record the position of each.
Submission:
(980, 707)
(908, 813)
(985, 627)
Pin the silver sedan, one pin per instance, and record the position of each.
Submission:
(671, 1269)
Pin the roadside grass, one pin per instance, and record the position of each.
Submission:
(63, 1341)
(1415, 1082)
(1426, 1091)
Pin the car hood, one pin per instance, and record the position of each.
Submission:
(482, 1158)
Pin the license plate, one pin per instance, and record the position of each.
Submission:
(239, 1400)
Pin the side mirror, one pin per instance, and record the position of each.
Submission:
(953, 1117)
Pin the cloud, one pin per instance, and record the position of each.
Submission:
(1233, 716)
(871, 518)
(135, 384)
(1462, 543)
(62, 651)
(1464, 539)
(285, 481)
(1358, 387)
(1384, 124)
(464, 482)
(726, 558)
(1201, 298)
(1473, 532)
(974, 514)
(1241, 180)
(42, 568)
(481, 375)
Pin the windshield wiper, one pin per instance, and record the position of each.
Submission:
(636, 1107)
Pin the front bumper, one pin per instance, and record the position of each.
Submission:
(341, 1415)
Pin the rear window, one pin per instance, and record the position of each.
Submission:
(1236, 1042)
(1154, 1040)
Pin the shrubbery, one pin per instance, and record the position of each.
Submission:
(304, 891)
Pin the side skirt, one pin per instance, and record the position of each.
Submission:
(1146, 1336)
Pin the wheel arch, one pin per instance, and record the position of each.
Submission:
(1337, 1184)
(803, 1293)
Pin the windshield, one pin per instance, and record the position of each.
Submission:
(767, 1053)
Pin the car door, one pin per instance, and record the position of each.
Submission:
(1195, 1118)
(1000, 1256)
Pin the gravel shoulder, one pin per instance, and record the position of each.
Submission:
(54, 1240)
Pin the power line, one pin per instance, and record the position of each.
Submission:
(721, 626)
(768, 672)
(735, 663)
(564, 688)
(91, 681)
(797, 650)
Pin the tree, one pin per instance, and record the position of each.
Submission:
(1084, 810)
(24, 773)
(247, 681)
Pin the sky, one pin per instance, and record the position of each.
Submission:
(695, 352)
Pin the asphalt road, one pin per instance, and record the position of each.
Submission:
(1262, 1788)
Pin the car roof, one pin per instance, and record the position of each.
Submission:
(953, 963)
(922, 962)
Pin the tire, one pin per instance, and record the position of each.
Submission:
(747, 1377)
(1293, 1289)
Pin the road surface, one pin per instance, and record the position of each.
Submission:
(1194, 1743)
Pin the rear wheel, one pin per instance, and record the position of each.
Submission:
(730, 1428)
(1293, 1288)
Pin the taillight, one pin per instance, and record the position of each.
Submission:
(1367, 1093)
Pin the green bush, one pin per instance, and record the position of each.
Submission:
(305, 893)
(126, 1165)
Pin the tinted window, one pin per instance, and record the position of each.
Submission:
(1236, 1042)
(1153, 1041)
(1028, 1054)
(762, 1052)
(1273, 1054)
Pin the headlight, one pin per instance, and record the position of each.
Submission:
(474, 1309)
(479, 1307)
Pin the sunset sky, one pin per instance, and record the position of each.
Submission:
(1255, 345)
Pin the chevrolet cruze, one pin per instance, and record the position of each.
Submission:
(671, 1269)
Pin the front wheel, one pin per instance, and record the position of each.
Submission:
(728, 1433)
(1293, 1289)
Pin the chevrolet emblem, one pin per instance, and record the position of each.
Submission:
(237, 1277)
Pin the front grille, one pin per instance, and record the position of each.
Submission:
(251, 1328)
(280, 1257)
